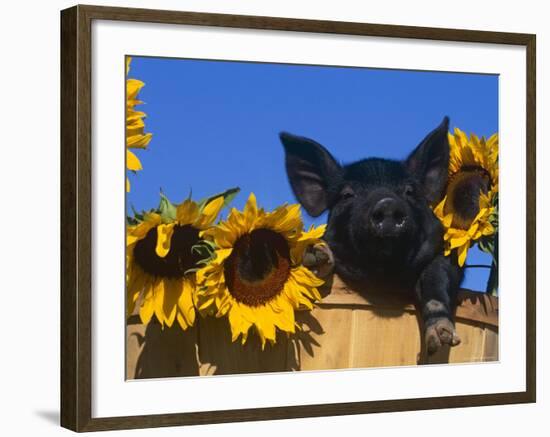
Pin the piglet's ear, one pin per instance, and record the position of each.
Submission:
(311, 171)
(429, 162)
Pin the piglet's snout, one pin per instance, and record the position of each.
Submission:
(388, 217)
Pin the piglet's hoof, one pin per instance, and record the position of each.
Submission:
(440, 332)
(319, 259)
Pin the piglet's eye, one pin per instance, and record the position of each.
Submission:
(409, 190)
(347, 193)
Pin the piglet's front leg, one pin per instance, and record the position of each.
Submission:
(319, 259)
(436, 291)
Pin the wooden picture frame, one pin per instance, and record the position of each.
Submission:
(76, 217)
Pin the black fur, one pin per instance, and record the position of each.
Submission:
(381, 229)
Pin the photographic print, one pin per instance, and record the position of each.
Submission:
(292, 217)
(305, 209)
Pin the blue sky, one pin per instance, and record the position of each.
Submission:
(215, 124)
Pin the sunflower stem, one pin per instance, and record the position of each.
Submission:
(492, 282)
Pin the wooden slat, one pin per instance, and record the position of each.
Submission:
(491, 344)
(477, 307)
(218, 355)
(153, 352)
(319, 348)
(471, 348)
(384, 338)
(472, 306)
(345, 330)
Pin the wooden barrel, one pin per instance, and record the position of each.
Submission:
(345, 330)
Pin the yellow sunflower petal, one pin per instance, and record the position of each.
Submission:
(265, 326)
(304, 302)
(207, 274)
(250, 211)
(299, 288)
(164, 239)
(172, 291)
(473, 229)
(314, 233)
(285, 316)
(139, 141)
(223, 303)
(238, 325)
(210, 213)
(285, 219)
(488, 229)
(462, 253)
(185, 304)
(187, 212)
(133, 86)
(137, 280)
(158, 300)
(459, 241)
(305, 276)
(140, 231)
(206, 303)
(222, 254)
(147, 309)
(438, 210)
(221, 235)
(132, 161)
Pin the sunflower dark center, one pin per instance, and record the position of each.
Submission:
(464, 189)
(179, 259)
(258, 267)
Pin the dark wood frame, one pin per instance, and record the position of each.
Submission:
(76, 225)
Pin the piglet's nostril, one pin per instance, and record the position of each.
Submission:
(399, 218)
(378, 216)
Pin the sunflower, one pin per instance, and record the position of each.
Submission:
(256, 278)
(469, 207)
(161, 259)
(135, 138)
